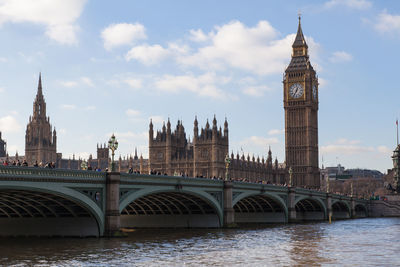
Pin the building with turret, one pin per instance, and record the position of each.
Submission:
(40, 137)
(171, 153)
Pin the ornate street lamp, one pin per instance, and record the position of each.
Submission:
(84, 165)
(113, 145)
(227, 164)
(327, 183)
(290, 176)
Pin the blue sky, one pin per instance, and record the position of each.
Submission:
(110, 66)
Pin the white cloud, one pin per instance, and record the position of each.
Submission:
(340, 56)
(156, 119)
(387, 23)
(199, 36)
(87, 81)
(384, 150)
(256, 91)
(132, 112)
(146, 54)
(122, 34)
(346, 149)
(353, 4)
(68, 106)
(9, 124)
(276, 131)
(2, 90)
(257, 49)
(82, 81)
(3, 59)
(69, 83)
(352, 147)
(203, 85)
(58, 16)
(134, 83)
(322, 82)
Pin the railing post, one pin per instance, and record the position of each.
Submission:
(291, 205)
(229, 212)
(112, 215)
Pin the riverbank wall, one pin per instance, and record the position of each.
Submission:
(389, 206)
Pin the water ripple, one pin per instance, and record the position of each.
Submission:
(363, 242)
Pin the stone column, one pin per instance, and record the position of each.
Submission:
(329, 205)
(291, 205)
(229, 212)
(112, 215)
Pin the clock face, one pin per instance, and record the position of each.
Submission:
(314, 91)
(296, 90)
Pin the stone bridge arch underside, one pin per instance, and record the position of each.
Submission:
(310, 209)
(40, 211)
(260, 208)
(341, 210)
(174, 208)
(360, 211)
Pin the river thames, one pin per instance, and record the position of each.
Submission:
(361, 242)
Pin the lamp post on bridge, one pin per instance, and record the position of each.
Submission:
(113, 145)
(227, 164)
(290, 176)
(84, 165)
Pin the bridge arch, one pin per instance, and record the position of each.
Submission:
(360, 211)
(176, 208)
(310, 209)
(41, 210)
(260, 208)
(341, 209)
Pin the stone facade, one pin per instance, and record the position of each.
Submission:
(3, 147)
(300, 98)
(40, 138)
(172, 153)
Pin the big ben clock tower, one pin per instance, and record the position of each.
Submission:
(300, 101)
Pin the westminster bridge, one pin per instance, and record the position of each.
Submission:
(57, 202)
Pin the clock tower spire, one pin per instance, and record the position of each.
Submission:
(300, 101)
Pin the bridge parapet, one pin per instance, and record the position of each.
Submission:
(15, 172)
(127, 178)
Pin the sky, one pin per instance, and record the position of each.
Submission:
(109, 66)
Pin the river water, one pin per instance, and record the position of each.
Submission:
(361, 242)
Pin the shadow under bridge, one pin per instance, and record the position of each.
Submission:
(38, 213)
(175, 209)
(260, 209)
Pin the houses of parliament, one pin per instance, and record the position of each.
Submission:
(172, 153)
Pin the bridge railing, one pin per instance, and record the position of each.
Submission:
(167, 179)
(35, 172)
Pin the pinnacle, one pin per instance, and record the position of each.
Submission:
(299, 40)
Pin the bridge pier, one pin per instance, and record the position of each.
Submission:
(112, 215)
(329, 206)
(353, 208)
(291, 205)
(229, 212)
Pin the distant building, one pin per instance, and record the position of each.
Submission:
(40, 138)
(172, 153)
(3, 147)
